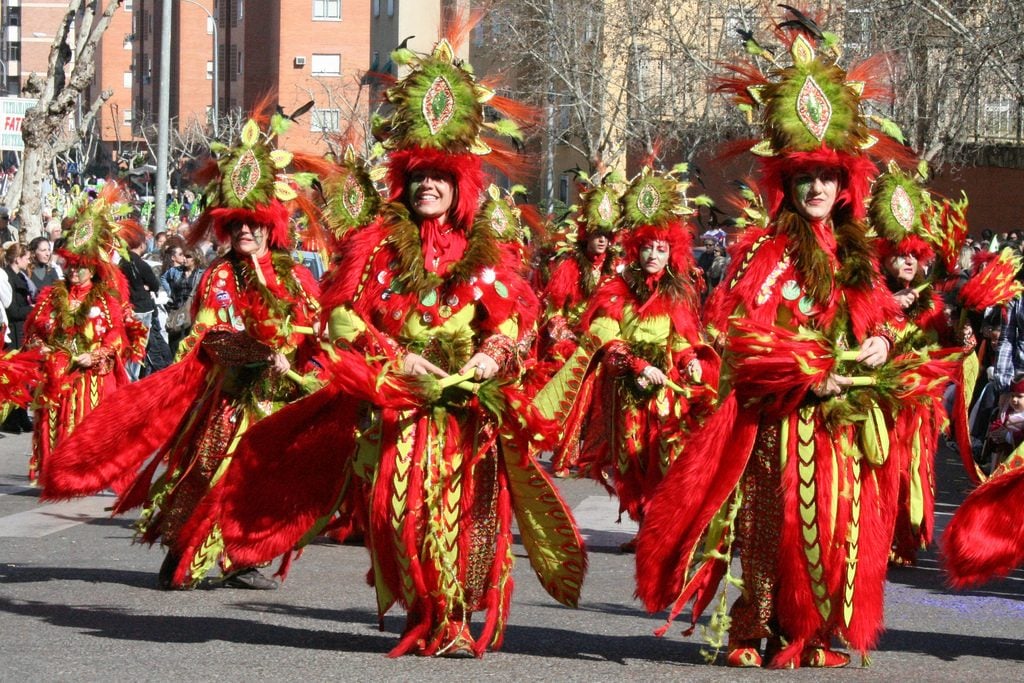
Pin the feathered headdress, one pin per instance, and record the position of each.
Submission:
(99, 228)
(438, 123)
(600, 207)
(352, 197)
(248, 181)
(896, 210)
(812, 112)
(654, 207)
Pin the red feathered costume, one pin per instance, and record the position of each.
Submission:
(985, 538)
(436, 474)
(925, 330)
(796, 484)
(83, 328)
(191, 415)
(625, 430)
(90, 332)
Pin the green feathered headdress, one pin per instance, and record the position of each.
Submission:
(250, 180)
(249, 170)
(503, 216)
(440, 105)
(352, 195)
(659, 198)
(810, 103)
(898, 202)
(101, 227)
(600, 208)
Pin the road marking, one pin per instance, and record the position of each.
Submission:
(596, 517)
(53, 517)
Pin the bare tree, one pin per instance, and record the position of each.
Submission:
(58, 92)
(957, 70)
(618, 78)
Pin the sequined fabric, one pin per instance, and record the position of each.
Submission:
(758, 533)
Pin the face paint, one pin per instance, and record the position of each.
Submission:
(654, 256)
(814, 192)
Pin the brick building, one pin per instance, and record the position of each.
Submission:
(292, 51)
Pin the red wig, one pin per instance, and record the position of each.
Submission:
(465, 168)
(911, 244)
(856, 175)
(273, 216)
(678, 236)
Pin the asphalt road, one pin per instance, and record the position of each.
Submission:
(78, 603)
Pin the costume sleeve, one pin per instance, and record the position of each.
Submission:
(135, 333)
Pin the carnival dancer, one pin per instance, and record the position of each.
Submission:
(588, 259)
(83, 326)
(790, 473)
(423, 409)
(253, 326)
(898, 211)
(653, 379)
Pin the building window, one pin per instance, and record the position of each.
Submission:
(391, 8)
(127, 117)
(126, 79)
(128, 5)
(376, 8)
(209, 70)
(325, 121)
(210, 26)
(327, 10)
(563, 188)
(326, 65)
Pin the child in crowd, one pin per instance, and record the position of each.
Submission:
(1006, 432)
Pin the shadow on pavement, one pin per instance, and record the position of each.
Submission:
(36, 574)
(120, 624)
(950, 647)
(568, 644)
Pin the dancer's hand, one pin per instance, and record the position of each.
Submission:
(84, 359)
(905, 298)
(279, 363)
(651, 375)
(832, 386)
(695, 370)
(873, 352)
(415, 364)
(482, 365)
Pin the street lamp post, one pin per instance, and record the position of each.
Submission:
(216, 72)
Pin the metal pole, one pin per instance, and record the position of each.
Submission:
(160, 218)
(216, 69)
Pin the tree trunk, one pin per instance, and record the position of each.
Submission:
(34, 167)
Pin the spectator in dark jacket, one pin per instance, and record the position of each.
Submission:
(23, 295)
(23, 291)
(142, 285)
